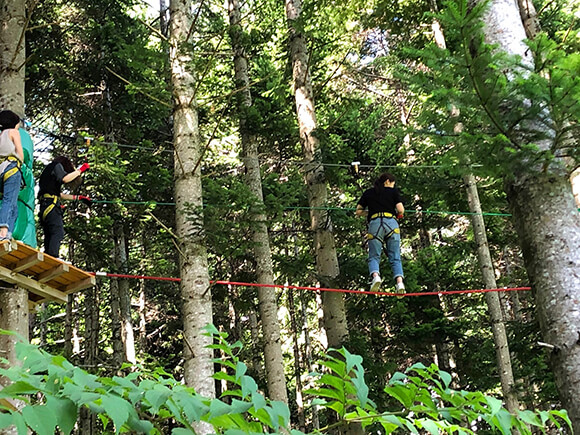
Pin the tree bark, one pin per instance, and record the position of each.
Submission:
(13, 300)
(125, 316)
(575, 182)
(273, 357)
(298, 366)
(321, 224)
(195, 289)
(117, 340)
(502, 351)
(13, 317)
(548, 225)
(12, 55)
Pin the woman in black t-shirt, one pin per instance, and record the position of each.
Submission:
(60, 171)
(381, 204)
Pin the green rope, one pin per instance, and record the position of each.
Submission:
(313, 208)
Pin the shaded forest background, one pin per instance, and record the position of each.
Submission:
(97, 89)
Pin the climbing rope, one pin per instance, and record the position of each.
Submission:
(308, 288)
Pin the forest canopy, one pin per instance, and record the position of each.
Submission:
(229, 145)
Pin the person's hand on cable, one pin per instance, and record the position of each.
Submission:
(84, 167)
(84, 199)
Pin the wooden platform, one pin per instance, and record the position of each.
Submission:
(46, 278)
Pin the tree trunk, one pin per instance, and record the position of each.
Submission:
(13, 317)
(13, 300)
(12, 55)
(548, 225)
(88, 419)
(502, 351)
(118, 351)
(297, 362)
(125, 317)
(273, 357)
(195, 289)
(575, 182)
(321, 224)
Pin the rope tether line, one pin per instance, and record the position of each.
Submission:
(172, 204)
(296, 287)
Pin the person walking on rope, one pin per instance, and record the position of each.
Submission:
(11, 158)
(385, 206)
(60, 171)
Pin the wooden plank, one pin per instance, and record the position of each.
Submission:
(5, 248)
(31, 285)
(80, 285)
(28, 262)
(53, 273)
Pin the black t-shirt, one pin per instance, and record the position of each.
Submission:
(51, 179)
(382, 201)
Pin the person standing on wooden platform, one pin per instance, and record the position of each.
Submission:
(60, 171)
(11, 157)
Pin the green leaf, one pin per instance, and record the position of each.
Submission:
(352, 360)
(217, 408)
(563, 414)
(157, 397)
(494, 404)
(330, 393)
(40, 418)
(249, 386)
(17, 388)
(362, 390)
(503, 421)
(397, 377)
(279, 414)
(181, 431)
(402, 394)
(66, 412)
(430, 426)
(140, 426)
(446, 378)
(241, 369)
(333, 381)
(118, 409)
(530, 417)
(239, 407)
(6, 419)
(192, 405)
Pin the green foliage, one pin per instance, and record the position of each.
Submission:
(516, 110)
(54, 391)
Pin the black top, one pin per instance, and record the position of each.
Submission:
(383, 201)
(51, 179)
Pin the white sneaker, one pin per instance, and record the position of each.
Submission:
(376, 283)
(400, 288)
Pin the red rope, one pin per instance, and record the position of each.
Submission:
(295, 287)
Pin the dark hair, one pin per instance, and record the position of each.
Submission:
(66, 164)
(380, 182)
(8, 119)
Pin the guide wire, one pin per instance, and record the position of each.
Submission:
(309, 288)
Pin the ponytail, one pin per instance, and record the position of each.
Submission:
(380, 182)
(8, 119)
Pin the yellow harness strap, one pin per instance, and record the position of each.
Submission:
(51, 206)
(12, 171)
(370, 236)
(381, 214)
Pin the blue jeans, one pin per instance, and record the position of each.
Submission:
(9, 208)
(380, 228)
